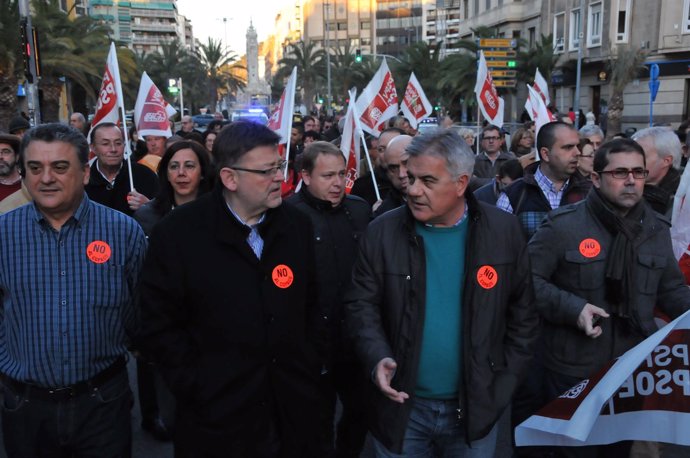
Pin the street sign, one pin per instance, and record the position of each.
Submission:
(505, 83)
(500, 63)
(497, 43)
(504, 73)
(500, 53)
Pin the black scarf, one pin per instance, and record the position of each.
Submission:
(622, 258)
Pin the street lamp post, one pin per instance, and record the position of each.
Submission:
(329, 100)
(576, 102)
(32, 93)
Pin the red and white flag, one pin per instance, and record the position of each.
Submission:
(151, 112)
(542, 87)
(281, 119)
(110, 99)
(378, 101)
(643, 395)
(680, 229)
(349, 144)
(490, 103)
(415, 106)
(539, 114)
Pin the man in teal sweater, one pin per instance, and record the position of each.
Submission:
(441, 310)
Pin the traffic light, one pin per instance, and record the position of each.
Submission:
(512, 64)
(358, 56)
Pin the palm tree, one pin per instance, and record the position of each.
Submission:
(83, 39)
(216, 61)
(311, 68)
(345, 71)
(424, 60)
(624, 66)
(9, 60)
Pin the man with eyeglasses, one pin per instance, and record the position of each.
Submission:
(599, 268)
(490, 157)
(549, 183)
(229, 311)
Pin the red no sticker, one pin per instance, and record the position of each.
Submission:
(487, 277)
(282, 276)
(98, 251)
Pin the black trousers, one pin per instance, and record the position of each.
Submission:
(96, 424)
(344, 381)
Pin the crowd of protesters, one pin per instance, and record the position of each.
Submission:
(460, 277)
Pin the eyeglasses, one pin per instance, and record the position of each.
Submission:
(585, 155)
(266, 172)
(491, 139)
(6, 152)
(622, 174)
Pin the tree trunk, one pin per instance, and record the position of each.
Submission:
(50, 108)
(615, 114)
(213, 96)
(8, 100)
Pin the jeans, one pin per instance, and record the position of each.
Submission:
(96, 424)
(435, 431)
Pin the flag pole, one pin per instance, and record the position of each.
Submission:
(289, 130)
(121, 105)
(479, 114)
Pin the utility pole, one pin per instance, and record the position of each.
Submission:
(30, 54)
(329, 100)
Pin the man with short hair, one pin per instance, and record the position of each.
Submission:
(10, 181)
(491, 155)
(155, 147)
(508, 172)
(109, 183)
(78, 121)
(187, 126)
(440, 310)
(549, 183)
(338, 220)
(228, 310)
(594, 134)
(63, 343)
(600, 267)
(662, 151)
(364, 186)
(395, 159)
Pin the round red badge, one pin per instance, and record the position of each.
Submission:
(487, 277)
(282, 276)
(589, 248)
(98, 251)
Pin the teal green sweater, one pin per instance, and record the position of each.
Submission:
(439, 366)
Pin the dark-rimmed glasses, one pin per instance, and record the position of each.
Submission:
(265, 172)
(622, 174)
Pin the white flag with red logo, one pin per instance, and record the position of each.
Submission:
(151, 112)
(378, 101)
(415, 106)
(489, 102)
(110, 98)
(643, 395)
(349, 143)
(539, 114)
(542, 87)
(281, 119)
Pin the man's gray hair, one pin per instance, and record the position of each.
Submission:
(665, 141)
(591, 129)
(445, 143)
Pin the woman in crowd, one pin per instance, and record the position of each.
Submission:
(522, 142)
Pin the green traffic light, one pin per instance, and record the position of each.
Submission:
(511, 64)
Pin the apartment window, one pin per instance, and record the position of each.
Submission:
(594, 24)
(476, 7)
(466, 8)
(365, 25)
(342, 25)
(559, 32)
(488, 5)
(686, 16)
(532, 36)
(623, 18)
(575, 20)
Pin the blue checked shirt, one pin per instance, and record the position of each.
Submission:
(256, 243)
(64, 317)
(547, 188)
